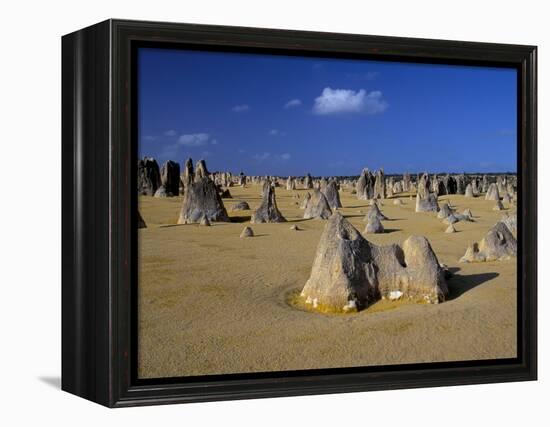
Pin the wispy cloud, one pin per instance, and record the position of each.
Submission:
(150, 138)
(194, 139)
(262, 156)
(292, 103)
(276, 132)
(335, 101)
(170, 132)
(240, 108)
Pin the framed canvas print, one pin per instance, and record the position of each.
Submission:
(258, 213)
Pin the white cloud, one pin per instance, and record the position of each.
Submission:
(293, 103)
(274, 132)
(334, 101)
(194, 139)
(240, 108)
(285, 156)
(170, 132)
(261, 157)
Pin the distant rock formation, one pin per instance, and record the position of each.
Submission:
(374, 211)
(450, 229)
(350, 273)
(406, 182)
(161, 192)
(305, 201)
(426, 204)
(240, 206)
(308, 182)
(498, 244)
(374, 226)
(170, 177)
(492, 193)
(317, 206)
(445, 211)
(469, 191)
(188, 174)
(484, 184)
(290, 184)
(201, 199)
(268, 211)
(379, 185)
(247, 232)
(365, 185)
(201, 171)
(148, 176)
(332, 195)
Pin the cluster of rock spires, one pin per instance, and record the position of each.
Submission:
(349, 272)
(369, 185)
(203, 191)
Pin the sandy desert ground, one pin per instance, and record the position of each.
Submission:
(213, 303)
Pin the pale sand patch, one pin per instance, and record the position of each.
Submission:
(213, 303)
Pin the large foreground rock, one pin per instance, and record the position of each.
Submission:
(268, 211)
(511, 221)
(498, 244)
(350, 273)
(201, 199)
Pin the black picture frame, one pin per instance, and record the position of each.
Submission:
(99, 229)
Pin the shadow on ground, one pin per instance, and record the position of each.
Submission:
(460, 284)
(54, 382)
(243, 218)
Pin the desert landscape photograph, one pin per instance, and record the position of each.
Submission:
(300, 213)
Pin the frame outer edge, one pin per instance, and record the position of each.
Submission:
(106, 376)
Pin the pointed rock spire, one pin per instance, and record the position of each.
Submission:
(317, 206)
(201, 199)
(268, 211)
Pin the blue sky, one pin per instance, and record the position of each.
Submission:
(281, 115)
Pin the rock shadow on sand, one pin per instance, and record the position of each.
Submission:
(240, 219)
(460, 284)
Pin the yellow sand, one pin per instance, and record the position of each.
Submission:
(213, 303)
